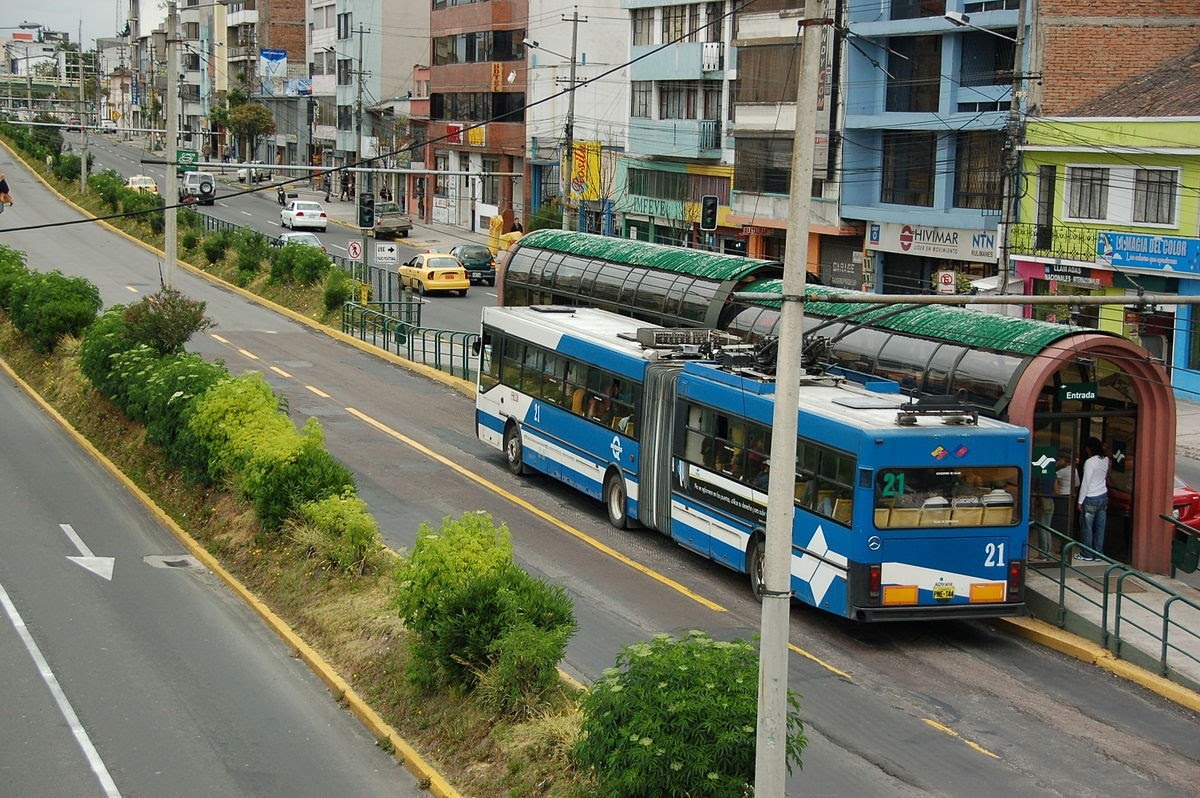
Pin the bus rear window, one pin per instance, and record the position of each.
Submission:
(947, 497)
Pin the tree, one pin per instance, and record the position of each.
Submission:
(251, 121)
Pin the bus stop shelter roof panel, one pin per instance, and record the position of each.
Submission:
(969, 328)
(710, 265)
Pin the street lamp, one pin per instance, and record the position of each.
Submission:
(568, 222)
(961, 20)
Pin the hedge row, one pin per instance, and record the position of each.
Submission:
(45, 306)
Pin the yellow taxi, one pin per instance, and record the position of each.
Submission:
(434, 271)
(143, 184)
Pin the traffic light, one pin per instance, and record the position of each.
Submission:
(366, 210)
(708, 212)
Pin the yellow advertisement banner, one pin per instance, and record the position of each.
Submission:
(585, 170)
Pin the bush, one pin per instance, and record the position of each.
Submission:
(252, 249)
(12, 268)
(677, 716)
(45, 307)
(106, 337)
(548, 215)
(188, 219)
(145, 208)
(298, 262)
(339, 289)
(288, 470)
(168, 397)
(523, 669)
(107, 185)
(338, 530)
(229, 422)
(190, 240)
(165, 321)
(67, 167)
(215, 245)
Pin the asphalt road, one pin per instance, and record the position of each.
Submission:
(900, 709)
(143, 674)
(238, 204)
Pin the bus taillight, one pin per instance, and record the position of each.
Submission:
(1016, 578)
(874, 580)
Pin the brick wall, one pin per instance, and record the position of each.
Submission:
(1087, 47)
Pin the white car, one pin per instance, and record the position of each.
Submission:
(108, 125)
(308, 239)
(256, 173)
(303, 213)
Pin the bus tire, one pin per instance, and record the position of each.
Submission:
(615, 500)
(754, 566)
(514, 452)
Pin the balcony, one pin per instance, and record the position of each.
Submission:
(683, 61)
(676, 138)
(1066, 242)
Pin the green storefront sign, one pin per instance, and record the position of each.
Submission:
(1077, 392)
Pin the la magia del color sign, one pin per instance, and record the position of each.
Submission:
(1160, 253)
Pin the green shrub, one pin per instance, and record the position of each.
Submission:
(523, 669)
(299, 262)
(107, 185)
(47, 306)
(67, 167)
(169, 393)
(131, 370)
(188, 219)
(215, 245)
(677, 716)
(338, 530)
(166, 320)
(231, 419)
(288, 470)
(190, 239)
(147, 208)
(339, 289)
(252, 249)
(106, 336)
(46, 137)
(12, 268)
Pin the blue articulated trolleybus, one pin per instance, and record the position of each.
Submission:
(901, 510)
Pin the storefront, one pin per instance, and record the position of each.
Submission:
(908, 256)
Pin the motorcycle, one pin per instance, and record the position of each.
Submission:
(281, 195)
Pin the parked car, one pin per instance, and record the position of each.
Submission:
(201, 187)
(303, 213)
(74, 124)
(434, 271)
(143, 184)
(254, 173)
(301, 237)
(479, 262)
(390, 220)
(1185, 504)
(108, 125)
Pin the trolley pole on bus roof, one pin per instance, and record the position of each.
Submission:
(770, 766)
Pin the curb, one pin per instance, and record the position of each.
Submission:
(1085, 650)
(428, 778)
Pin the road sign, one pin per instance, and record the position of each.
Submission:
(386, 253)
(187, 160)
(354, 250)
(947, 282)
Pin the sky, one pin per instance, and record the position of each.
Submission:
(99, 17)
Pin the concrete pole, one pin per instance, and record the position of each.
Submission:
(770, 765)
(80, 109)
(568, 211)
(361, 177)
(1010, 194)
(171, 243)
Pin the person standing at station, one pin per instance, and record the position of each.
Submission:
(1093, 499)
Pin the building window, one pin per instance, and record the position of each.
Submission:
(915, 73)
(713, 16)
(491, 181)
(909, 165)
(1154, 193)
(767, 74)
(345, 73)
(979, 169)
(914, 9)
(643, 25)
(344, 25)
(694, 33)
(677, 99)
(345, 117)
(1087, 192)
(641, 98)
(987, 60)
(762, 165)
(549, 180)
(674, 23)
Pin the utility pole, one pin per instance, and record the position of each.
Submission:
(170, 153)
(770, 764)
(1012, 160)
(80, 107)
(363, 177)
(568, 212)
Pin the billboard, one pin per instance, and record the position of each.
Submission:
(272, 71)
(585, 170)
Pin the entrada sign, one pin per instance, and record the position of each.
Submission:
(1077, 392)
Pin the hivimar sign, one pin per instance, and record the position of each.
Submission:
(951, 243)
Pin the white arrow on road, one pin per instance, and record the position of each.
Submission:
(100, 566)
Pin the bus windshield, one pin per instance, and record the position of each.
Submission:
(947, 497)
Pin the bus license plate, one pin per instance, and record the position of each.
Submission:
(942, 591)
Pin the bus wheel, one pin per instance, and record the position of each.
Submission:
(754, 566)
(614, 500)
(513, 451)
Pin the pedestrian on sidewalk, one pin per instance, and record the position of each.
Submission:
(1093, 498)
(5, 197)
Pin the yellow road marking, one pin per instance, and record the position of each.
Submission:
(216, 337)
(280, 372)
(611, 552)
(819, 661)
(955, 734)
(131, 288)
(248, 354)
(317, 391)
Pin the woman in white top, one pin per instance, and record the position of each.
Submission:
(1093, 499)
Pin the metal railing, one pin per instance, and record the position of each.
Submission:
(382, 324)
(1121, 615)
(1069, 242)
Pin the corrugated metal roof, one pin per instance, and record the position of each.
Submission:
(711, 265)
(936, 322)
